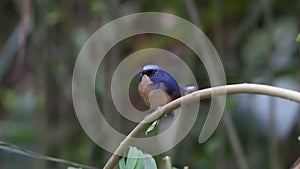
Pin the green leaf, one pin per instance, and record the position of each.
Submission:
(149, 162)
(152, 127)
(140, 162)
(136, 159)
(70, 167)
(122, 163)
(132, 159)
(298, 38)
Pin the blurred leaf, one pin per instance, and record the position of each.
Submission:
(20, 103)
(96, 6)
(298, 38)
(140, 162)
(213, 145)
(152, 127)
(136, 159)
(150, 162)
(122, 163)
(255, 53)
(18, 131)
(132, 157)
(54, 16)
(70, 167)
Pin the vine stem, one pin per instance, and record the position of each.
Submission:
(244, 88)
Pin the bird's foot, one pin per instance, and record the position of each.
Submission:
(159, 108)
(146, 118)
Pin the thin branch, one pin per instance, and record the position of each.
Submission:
(22, 151)
(273, 137)
(23, 27)
(196, 96)
(167, 162)
(193, 12)
(11, 47)
(234, 141)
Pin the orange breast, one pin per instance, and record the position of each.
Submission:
(153, 95)
(145, 86)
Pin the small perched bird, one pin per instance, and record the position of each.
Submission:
(157, 87)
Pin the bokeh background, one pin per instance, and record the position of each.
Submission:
(39, 44)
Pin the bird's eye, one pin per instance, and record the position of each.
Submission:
(151, 72)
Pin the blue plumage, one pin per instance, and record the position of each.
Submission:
(153, 77)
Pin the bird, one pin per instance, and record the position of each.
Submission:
(157, 87)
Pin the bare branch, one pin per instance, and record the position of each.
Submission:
(196, 96)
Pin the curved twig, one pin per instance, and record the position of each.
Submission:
(199, 95)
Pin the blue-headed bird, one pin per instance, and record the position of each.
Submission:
(157, 87)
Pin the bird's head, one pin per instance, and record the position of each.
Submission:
(153, 72)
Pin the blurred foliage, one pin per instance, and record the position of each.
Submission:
(298, 38)
(36, 109)
(136, 159)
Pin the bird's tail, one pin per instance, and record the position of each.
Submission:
(188, 89)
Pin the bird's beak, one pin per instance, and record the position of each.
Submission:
(146, 80)
(141, 75)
